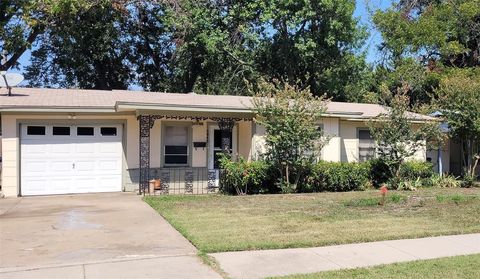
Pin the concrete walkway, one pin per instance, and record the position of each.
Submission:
(175, 267)
(265, 263)
(112, 235)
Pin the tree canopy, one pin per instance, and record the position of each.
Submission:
(424, 41)
(210, 47)
(458, 98)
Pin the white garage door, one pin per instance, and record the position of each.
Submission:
(64, 159)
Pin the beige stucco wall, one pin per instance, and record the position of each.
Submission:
(349, 142)
(10, 143)
(343, 144)
(245, 139)
(199, 155)
(331, 151)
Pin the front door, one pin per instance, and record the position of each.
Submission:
(215, 145)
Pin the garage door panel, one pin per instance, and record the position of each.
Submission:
(59, 149)
(109, 148)
(34, 168)
(52, 164)
(60, 185)
(34, 149)
(87, 184)
(35, 185)
(85, 166)
(85, 148)
(61, 167)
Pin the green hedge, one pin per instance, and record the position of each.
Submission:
(410, 170)
(252, 177)
(336, 177)
(261, 177)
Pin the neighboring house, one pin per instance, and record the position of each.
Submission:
(57, 141)
(448, 158)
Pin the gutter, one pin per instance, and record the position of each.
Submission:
(56, 109)
(413, 120)
(121, 106)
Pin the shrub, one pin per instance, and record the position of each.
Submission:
(241, 177)
(336, 177)
(412, 170)
(409, 185)
(468, 180)
(379, 172)
(413, 174)
(446, 181)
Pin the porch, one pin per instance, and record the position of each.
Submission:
(182, 151)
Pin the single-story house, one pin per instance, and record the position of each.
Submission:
(59, 141)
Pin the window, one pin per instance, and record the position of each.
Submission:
(366, 145)
(61, 131)
(176, 145)
(36, 130)
(84, 131)
(108, 131)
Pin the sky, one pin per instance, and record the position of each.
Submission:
(362, 12)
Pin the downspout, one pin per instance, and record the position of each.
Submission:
(440, 163)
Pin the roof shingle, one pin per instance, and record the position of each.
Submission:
(75, 98)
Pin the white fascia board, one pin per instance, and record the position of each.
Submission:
(159, 107)
(415, 121)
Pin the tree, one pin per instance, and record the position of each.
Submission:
(152, 46)
(399, 134)
(291, 119)
(83, 50)
(446, 31)
(423, 39)
(315, 44)
(458, 98)
(210, 47)
(23, 21)
(213, 45)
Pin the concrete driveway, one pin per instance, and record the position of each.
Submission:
(98, 235)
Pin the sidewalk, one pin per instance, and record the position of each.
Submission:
(265, 263)
(175, 267)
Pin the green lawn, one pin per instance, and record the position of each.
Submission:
(216, 223)
(465, 267)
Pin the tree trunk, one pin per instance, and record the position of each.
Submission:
(287, 174)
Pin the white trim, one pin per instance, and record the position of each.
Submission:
(173, 107)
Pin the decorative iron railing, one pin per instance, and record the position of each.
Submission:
(195, 181)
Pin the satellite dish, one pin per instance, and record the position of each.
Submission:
(10, 79)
